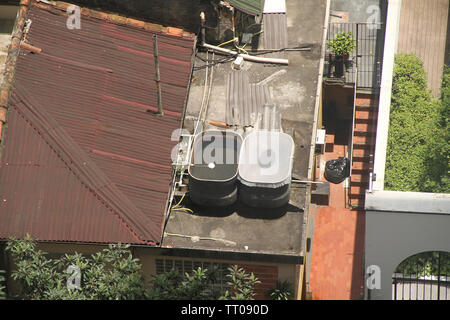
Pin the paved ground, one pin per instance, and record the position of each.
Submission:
(337, 250)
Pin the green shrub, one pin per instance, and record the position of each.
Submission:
(342, 44)
(2, 287)
(417, 151)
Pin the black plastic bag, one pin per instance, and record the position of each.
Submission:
(337, 170)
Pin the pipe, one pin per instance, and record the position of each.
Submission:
(29, 47)
(157, 77)
(219, 123)
(202, 22)
(247, 56)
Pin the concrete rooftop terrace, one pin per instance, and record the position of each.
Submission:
(238, 228)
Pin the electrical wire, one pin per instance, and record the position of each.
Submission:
(228, 59)
(179, 202)
(231, 58)
(178, 208)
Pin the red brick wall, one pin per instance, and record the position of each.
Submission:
(268, 275)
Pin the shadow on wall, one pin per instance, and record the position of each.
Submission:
(174, 13)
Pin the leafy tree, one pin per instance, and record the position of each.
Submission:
(198, 285)
(417, 151)
(174, 286)
(113, 274)
(241, 283)
(108, 275)
(283, 291)
(429, 263)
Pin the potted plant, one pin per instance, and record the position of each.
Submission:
(342, 45)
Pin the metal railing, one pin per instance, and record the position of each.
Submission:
(351, 142)
(369, 38)
(425, 276)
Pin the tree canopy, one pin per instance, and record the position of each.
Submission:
(417, 152)
(113, 274)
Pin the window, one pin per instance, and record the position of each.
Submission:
(187, 266)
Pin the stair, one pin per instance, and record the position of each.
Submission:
(366, 113)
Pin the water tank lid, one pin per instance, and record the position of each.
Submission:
(266, 157)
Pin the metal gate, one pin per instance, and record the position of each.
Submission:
(424, 276)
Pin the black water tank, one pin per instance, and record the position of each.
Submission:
(213, 168)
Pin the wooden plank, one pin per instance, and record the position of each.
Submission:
(423, 32)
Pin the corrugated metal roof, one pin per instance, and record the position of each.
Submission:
(83, 160)
(245, 100)
(251, 7)
(275, 33)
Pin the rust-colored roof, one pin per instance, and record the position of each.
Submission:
(83, 160)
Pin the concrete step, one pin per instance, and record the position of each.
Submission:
(365, 127)
(363, 139)
(361, 133)
(362, 147)
(357, 203)
(370, 108)
(365, 100)
(356, 196)
(362, 153)
(358, 190)
(365, 159)
(360, 165)
(366, 114)
(359, 184)
(359, 179)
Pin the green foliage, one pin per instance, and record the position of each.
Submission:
(241, 283)
(198, 285)
(283, 291)
(342, 44)
(174, 286)
(113, 274)
(108, 275)
(2, 287)
(417, 151)
(425, 264)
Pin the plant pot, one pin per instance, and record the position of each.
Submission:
(338, 66)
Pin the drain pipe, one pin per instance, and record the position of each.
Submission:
(157, 76)
(246, 56)
(202, 22)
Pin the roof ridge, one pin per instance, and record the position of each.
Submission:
(84, 168)
(115, 18)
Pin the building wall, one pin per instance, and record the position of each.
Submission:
(267, 273)
(391, 237)
(174, 13)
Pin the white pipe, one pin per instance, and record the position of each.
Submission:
(246, 56)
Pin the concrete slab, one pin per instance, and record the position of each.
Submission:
(239, 228)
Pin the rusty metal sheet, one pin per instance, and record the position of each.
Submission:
(84, 160)
(275, 33)
(245, 100)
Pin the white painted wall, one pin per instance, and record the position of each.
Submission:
(390, 48)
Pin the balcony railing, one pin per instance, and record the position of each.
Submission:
(367, 57)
